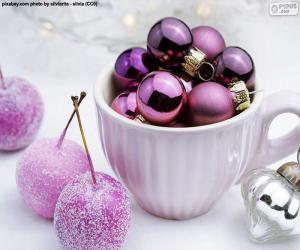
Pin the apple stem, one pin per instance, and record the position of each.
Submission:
(63, 134)
(2, 86)
(75, 103)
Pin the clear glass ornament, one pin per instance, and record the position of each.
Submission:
(272, 201)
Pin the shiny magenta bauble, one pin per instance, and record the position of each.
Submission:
(125, 104)
(168, 42)
(234, 64)
(131, 66)
(160, 97)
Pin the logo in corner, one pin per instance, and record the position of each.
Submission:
(284, 8)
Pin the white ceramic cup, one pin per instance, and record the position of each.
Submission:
(179, 173)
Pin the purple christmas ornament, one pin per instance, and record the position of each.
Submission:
(160, 97)
(168, 42)
(209, 103)
(133, 64)
(125, 104)
(208, 40)
(234, 64)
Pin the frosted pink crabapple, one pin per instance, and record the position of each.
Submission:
(21, 113)
(93, 211)
(46, 167)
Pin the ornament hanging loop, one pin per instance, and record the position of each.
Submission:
(196, 64)
(206, 71)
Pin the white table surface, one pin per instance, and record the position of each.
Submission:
(224, 227)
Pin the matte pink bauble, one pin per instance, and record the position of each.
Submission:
(93, 216)
(208, 103)
(45, 169)
(208, 40)
(21, 113)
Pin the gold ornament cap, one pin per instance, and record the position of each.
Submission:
(291, 172)
(241, 96)
(194, 60)
(141, 119)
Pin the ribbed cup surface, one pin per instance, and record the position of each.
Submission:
(178, 175)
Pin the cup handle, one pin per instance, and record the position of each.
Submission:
(272, 150)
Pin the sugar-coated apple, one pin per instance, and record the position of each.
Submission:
(21, 113)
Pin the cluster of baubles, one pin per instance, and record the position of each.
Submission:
(184, 78)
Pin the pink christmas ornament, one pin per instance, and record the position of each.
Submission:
(21, 113)
(93, 211)
(44, 170)
(208, 40)
(210, 102)
(160, 97)
(125, 104)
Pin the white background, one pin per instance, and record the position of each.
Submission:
(274, 45)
